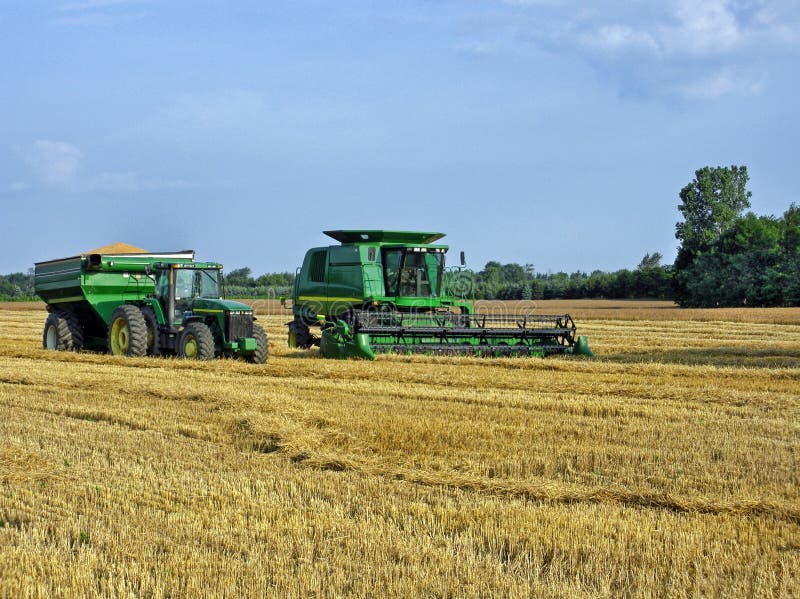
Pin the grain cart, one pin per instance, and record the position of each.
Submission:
(145, 304)
(388, 291)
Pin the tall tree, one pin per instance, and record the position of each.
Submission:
(710, 205)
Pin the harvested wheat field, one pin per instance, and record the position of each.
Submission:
(667, 466)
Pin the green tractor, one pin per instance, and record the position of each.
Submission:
(389, 291)
(145, 305)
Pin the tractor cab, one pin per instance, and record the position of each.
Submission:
(184, 286)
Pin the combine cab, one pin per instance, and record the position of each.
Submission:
(137, 304)
(389, 291)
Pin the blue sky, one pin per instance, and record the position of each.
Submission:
(531, 131)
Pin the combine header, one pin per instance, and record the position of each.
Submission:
(388, 291)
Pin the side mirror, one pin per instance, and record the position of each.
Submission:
(463, 259)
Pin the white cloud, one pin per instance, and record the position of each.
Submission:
(57, 166)
(721, 83)
(619, 37)
(707, 27)
(55, 163)
(693, 50)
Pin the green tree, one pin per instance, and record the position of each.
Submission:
(710, 205)
(240, 277)
(650, 261)
(743, 268)
(790, 262)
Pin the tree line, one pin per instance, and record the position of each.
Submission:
(650, 279)
(726, 257)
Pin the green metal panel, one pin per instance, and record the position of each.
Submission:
(59, 280)
(311, 288)
(105, 291)
(372, 274)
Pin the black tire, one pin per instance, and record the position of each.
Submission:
(262, 347)
(62, 332)
(299, 334)
(196, 342)
(127, 332)
(149, 315)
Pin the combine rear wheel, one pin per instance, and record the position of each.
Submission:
(62, 331)
(127, 332)
(262, 347)
(196, 342)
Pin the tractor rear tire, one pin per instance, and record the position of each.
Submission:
(127, 332)
(299, 334)
(196, 342)
(262, 347)
(62, 332)
(149, 315)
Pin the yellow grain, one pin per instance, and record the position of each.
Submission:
(667, 466)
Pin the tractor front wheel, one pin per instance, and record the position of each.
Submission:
(262, 347)
(196, 342)
(127, 332)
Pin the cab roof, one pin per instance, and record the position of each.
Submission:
(382, 236)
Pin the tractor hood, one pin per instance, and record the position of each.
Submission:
(220, 305)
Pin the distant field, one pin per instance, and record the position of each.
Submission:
(667, 466)
(579, 309)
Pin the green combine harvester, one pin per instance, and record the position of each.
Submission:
(137, 304)
(388, 291)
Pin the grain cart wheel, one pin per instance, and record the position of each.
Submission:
(62, 331)
(127, 332)
(196, 342)
(262, 347)
(150, 320)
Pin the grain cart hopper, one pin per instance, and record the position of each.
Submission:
(388, 291)
(144, 304)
